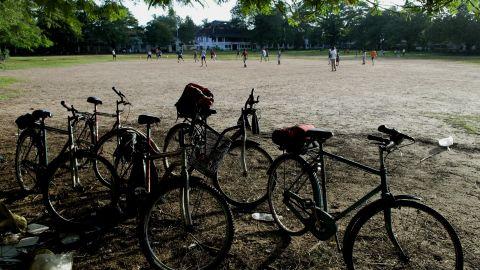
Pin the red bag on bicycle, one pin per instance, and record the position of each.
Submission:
(194, 99)
(291, 139)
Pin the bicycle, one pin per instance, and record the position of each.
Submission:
(69, 194)
(237, 166)
(195, 233)
(385, 227)
(31, 152)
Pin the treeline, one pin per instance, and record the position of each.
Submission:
(88, 27)
(359, 28)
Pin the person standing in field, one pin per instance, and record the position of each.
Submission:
(195, 55)
(403, 52)
(332, 56)
(266, 55)
(180, 56)
(149, 55)
(238, 53)
(337, 60)
(244, 56)
(204, 58)
(114, 55)
(279, 55)
(373, 55)
(364, 56)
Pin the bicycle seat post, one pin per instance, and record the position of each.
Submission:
(43, 137)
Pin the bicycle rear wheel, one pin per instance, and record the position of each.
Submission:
(168, 243)
(244, 190)
(83, 202)
(290, 174)
(27, 160)
(425, 239)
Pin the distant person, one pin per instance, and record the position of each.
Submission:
(238, 53)
(332, 56)
(212, 54)
(114, 55)
(158, 53)
(180, 56)
(149, 55)
(263, 55)
(244, 56)
(195, 55)
(337, 59)
(373, 55)
(403, 52)
(266, 55)
(279, 55)
(364, 57)
(204, 58)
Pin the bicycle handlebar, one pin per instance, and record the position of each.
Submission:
(122, 96)
(69, 107)
(395, 137)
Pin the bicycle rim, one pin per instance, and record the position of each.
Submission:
(239, 188)
(426, 239)
(172, 143)
(169, 244)
(84, 202)
(27, 160)
(290, 174)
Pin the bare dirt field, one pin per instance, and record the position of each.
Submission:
(427, 99)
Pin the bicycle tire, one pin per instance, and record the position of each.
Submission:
(431, 248)
(82, 206)
(107, 147)
(85, 140)
(184, 245)
(29, 137)
(244, 191)
(171, 142)
(286, 220)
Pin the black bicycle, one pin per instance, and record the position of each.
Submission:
(183, 222)
(237, 166)
(393, 232)
(31, 152)
(71, 192)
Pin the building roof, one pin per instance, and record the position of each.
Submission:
(222, 29)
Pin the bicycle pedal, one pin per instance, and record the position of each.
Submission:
(324, 225)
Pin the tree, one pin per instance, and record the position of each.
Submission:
(160, 31)
(18, 27)
(186, 31)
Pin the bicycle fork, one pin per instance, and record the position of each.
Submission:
(73, 159)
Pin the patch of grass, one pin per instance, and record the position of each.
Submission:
(468, 123)
(5, 91)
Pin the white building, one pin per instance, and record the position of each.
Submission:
(222, 35)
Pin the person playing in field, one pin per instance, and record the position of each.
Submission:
(332, 55)
(266, 55)
(114, 55)
(212, 54)
(204, 58)
(364, 56)
(279, 55)
(337, 60)
(263, 55)
(158, 53)
(180, 56)
(149, 55)
(195, 55)
(244, 56)
(373, 55)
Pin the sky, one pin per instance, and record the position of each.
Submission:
(210, 11)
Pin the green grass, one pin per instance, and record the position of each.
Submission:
(5, 91)
(466, 122)
(25, 62)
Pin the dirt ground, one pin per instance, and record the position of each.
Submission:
(415, 96)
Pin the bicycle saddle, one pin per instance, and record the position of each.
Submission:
(319, 134)
(144, 119)
(94, 100)
(41, 114)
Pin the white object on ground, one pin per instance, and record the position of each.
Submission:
(70, 239)
(446, 142)
(28, 241)
(36, 229)
(262, 217)
(7, 252)
(52, 262)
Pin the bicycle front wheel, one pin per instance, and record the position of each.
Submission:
(73, 195)
(405, 235)
(244, 189)
(172, 143)
(291, 177)
(169, 243)
(27, 160)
